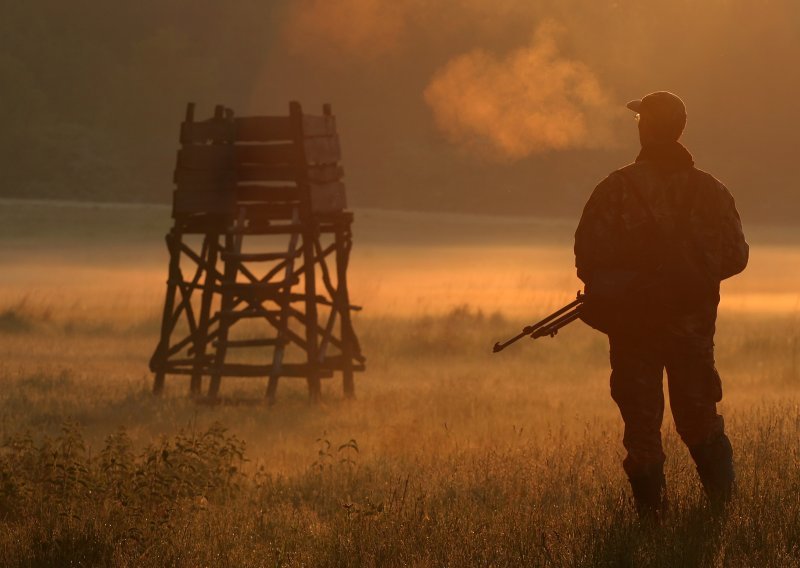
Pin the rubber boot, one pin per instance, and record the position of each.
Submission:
(714, 462)
(649, 493)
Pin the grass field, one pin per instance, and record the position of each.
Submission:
(450, 456)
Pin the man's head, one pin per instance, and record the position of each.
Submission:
(662, 117)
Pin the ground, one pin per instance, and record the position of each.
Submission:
(450, 455)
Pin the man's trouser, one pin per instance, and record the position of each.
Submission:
(637, 364)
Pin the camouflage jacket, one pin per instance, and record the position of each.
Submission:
(646, 215)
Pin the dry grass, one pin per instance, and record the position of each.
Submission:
(450, 456)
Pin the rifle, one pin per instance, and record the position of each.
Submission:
(549, 326)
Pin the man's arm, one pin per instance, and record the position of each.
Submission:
(720, 228)
(596, 237)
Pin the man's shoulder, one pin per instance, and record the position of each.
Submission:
(619, 174)
(616, 178)
(645, 168)
(631, 173)
(630, 168)
(615, 183)
(707, 179)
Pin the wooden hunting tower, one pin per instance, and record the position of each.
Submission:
(258, 254)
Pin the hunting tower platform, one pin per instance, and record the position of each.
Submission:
(258, 254)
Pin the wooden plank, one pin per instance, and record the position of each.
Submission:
(255, 256)
(190, 202)
(270, 229)
(325, 173)
(227, 303)
(248, 173)
(248, 314)
(342, 297)
(290, 370)
(265, 154)
(215, 157)
(214, 129)
(262, 193)
(230, 157)
(259, 292)
(312, 152)
(326, 198)
(204, 178)
(262, 128)
(216, 223)
(220, 188)
(287, 370)
(206, 359)
(281, 265)
(259, 212)
(243, 192)
(314, 126)
(240, 287)
(253, 173)
(336, 342)
(202, 225)
(240, 343)
(211, 248)
(254, 129)
(322, 150)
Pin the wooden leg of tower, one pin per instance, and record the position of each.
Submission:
(158, 383)
(226, 306)
(278, 353)
(159, 359)
(283, 320)
(312, 347)
(272, 389)
(212, 251)
(342, 259)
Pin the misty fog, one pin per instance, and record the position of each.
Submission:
(509, 107)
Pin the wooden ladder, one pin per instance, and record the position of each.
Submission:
(254, 293)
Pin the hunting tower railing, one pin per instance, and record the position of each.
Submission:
(259, 210)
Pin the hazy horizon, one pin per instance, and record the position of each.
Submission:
(505, 108)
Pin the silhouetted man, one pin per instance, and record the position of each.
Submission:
(655, 240)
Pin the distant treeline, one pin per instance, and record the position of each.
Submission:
(92, 92)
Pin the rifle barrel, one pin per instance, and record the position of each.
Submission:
(553, 322)
(532, 328)
(554, 326)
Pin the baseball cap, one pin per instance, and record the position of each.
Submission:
(661, 105)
